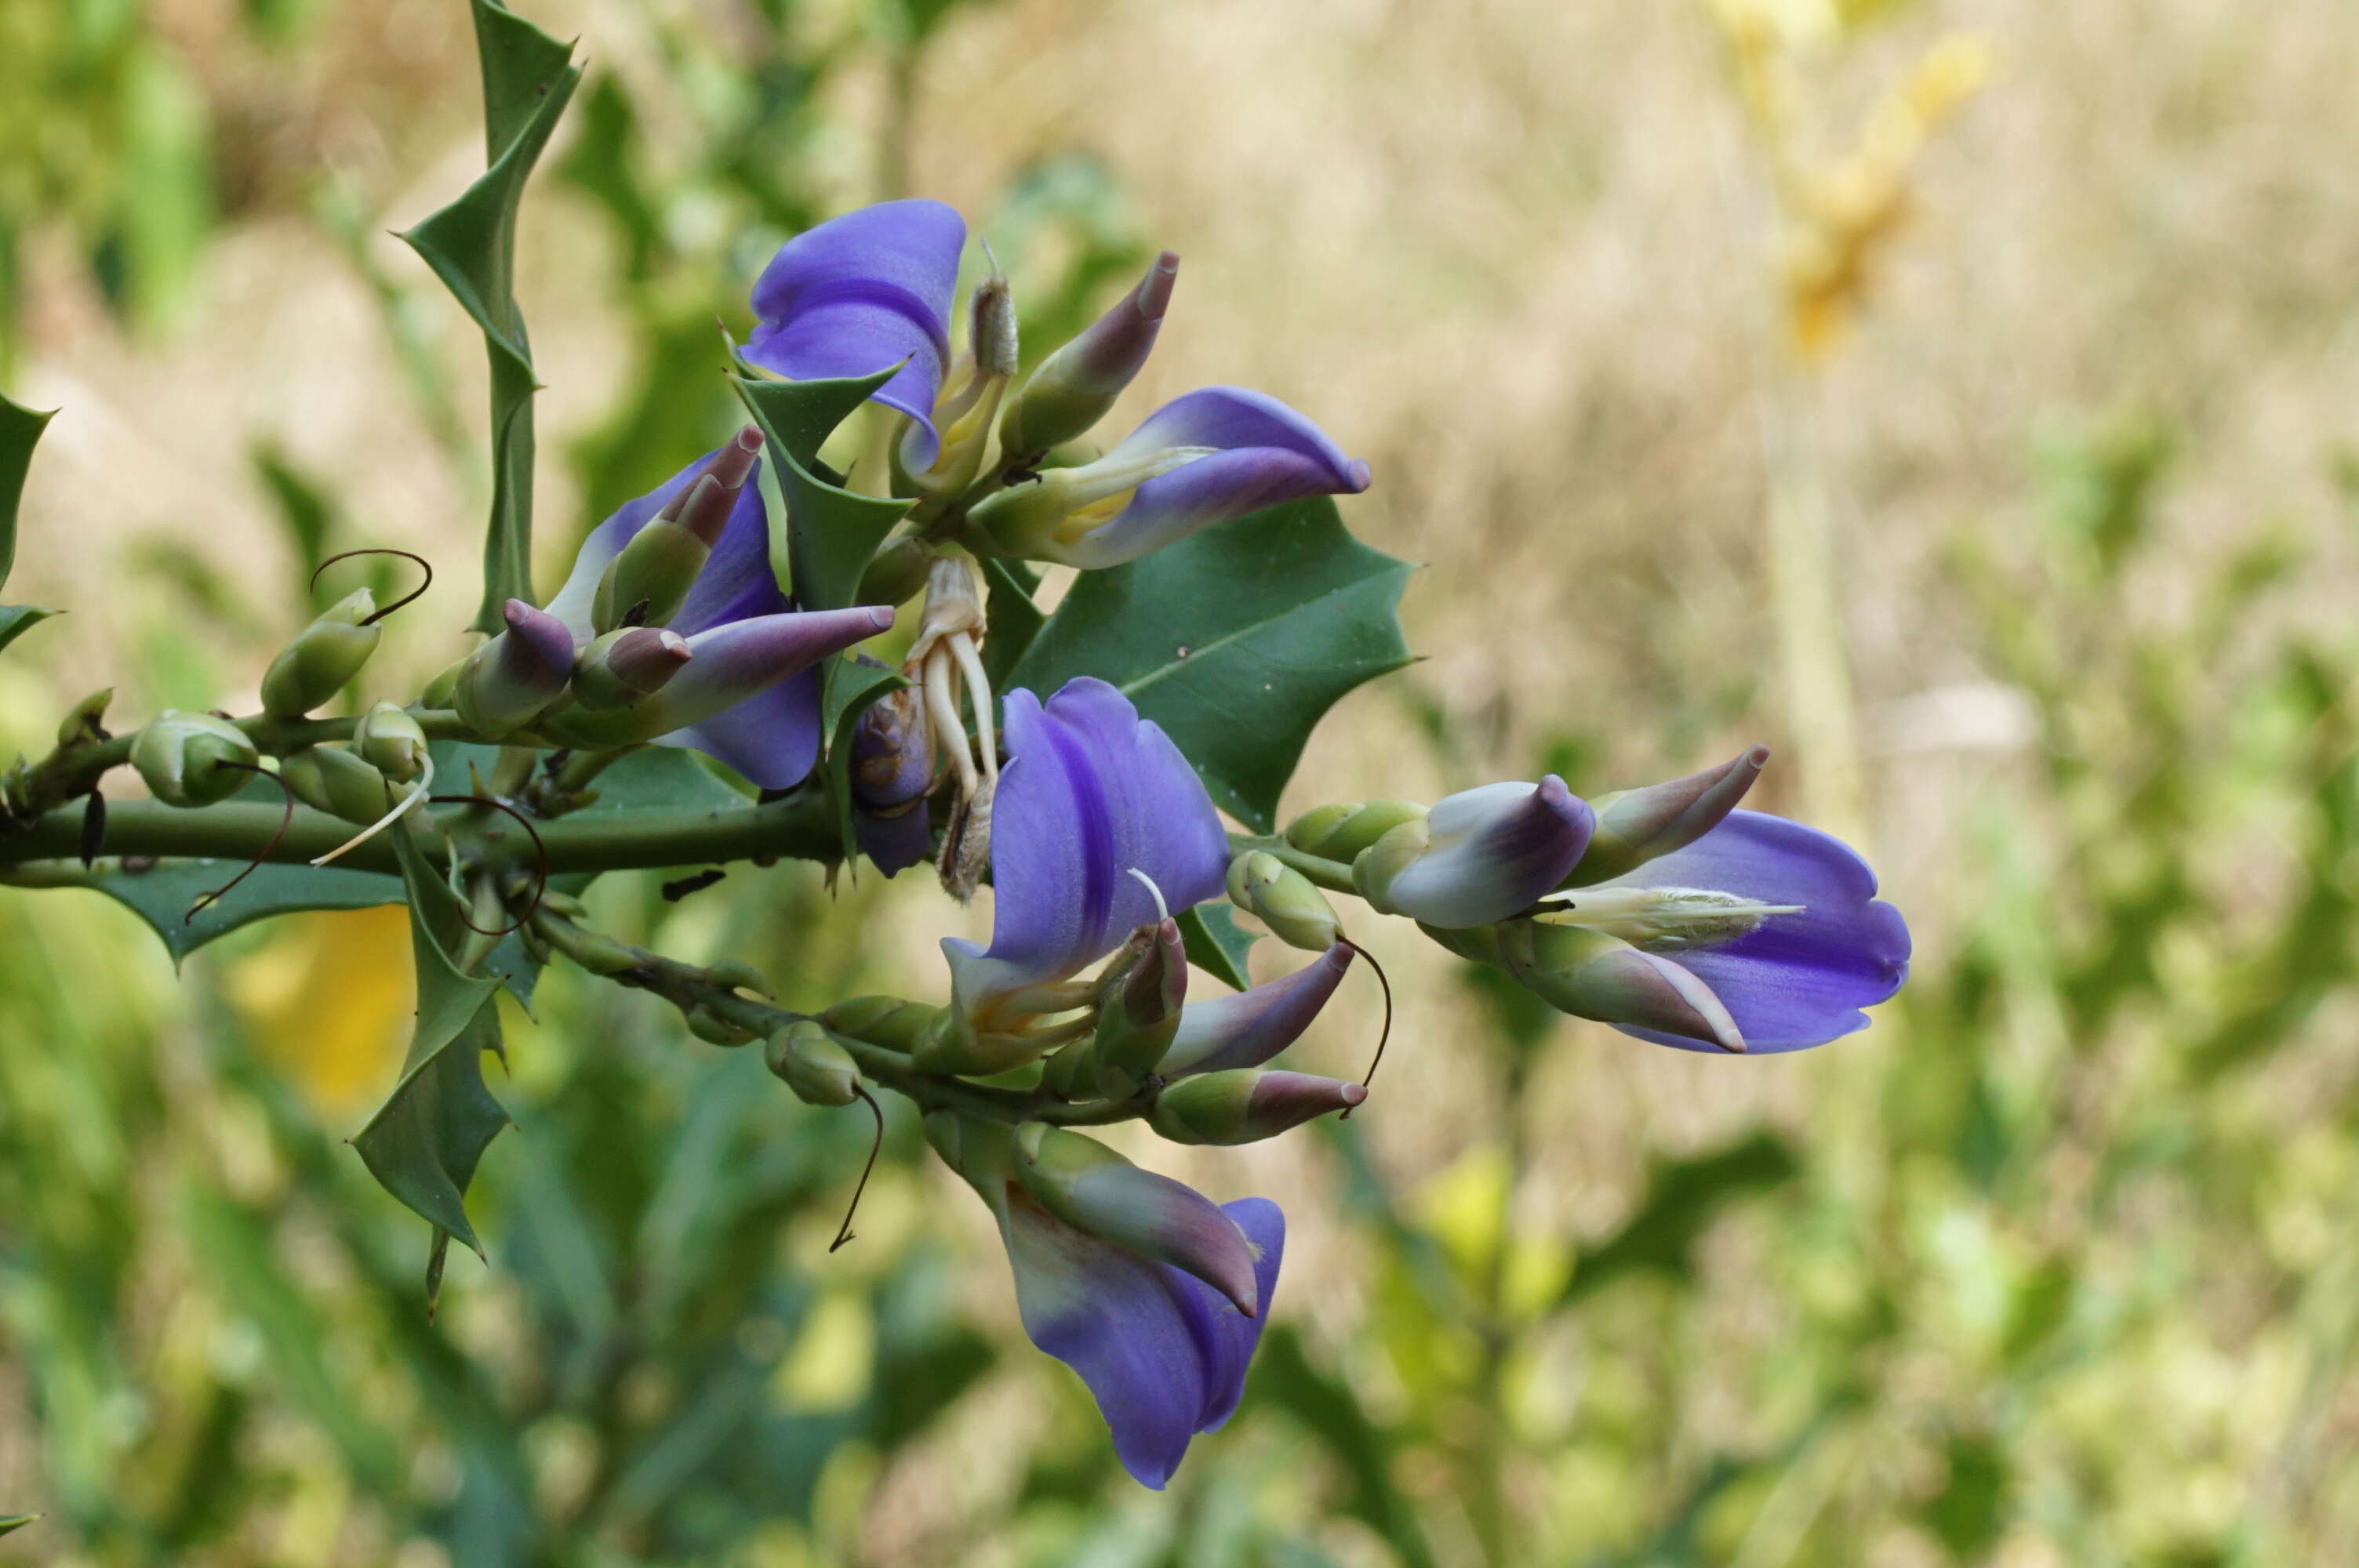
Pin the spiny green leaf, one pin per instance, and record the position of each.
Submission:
(16, 619)
(423, 1145)
(1011, 620)
(471, 245)
(660, 778)
(1235, 641)
(851, 687)
(1215, 943)
(831, 532)
(16, 1521)
(20, 429)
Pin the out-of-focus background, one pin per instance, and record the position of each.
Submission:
(1956, 395)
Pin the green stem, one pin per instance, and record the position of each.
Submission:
(1332, 875)
(692, 989)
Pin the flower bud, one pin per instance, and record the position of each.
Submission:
(1479, 856)
(516, 676)
(621, 667)
(819, 1070)
(1283, 899)
(1591, 975)
(1340, 831)
(884, 1020)
(1247, 1106)
(1095, 1189)
(331, 779)
(892, 752)
(895, 572)
(1073, 388)
(323, 657)
(714, 1030)
(389, 740)
(648, 581)
(1634, 825)
(184, 758)
(1138, 1008)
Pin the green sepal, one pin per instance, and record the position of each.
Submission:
(831, 533)
(1236, 640)
(851, 687)
(20, 430)
(471, 245)
(1216, 944)
(424, 1144)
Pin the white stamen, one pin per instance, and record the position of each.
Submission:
(1162, 910)
(417, 793)
(1666, 920)
(939, 681)
(979, 698)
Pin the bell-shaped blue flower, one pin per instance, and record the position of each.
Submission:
(1213, 454)
(861, 293)
(1779, 922)
(748, 693)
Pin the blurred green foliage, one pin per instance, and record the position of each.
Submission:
(1978, 1258)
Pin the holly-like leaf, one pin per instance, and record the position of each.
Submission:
(831, 532)
(16, 619)
(1216, 944)
(20, 430)
(851, 687)
(660, 778)
(471, 245)
(10, 1522)
(1011, 621)
(1235, 641)
(423, 1145)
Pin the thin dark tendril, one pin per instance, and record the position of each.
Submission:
(423, 565)
(1388, 1034)
(206, 899)
(541, 884)
(844, 1231)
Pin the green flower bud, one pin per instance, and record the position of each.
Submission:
(323, 657)
(392, 741)
(184, 758)
(1074, 388)
(739, 976)
(621, 667)
(1339, 832)
(1284, 899)
(714, 1030)
(818, 1069)
(659, 565)
(896, 573)
(1374, 869)
(1634, 825)
(1138, 1008)
(1247, 1105)
(331, 779)
(885, 1021)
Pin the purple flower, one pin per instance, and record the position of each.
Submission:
(1213, 454)
(859, 294)
(747, 695)
(1164, 1351)
(1479, 856)
(1164, 1354)
(1091, 795)
(1779, 922)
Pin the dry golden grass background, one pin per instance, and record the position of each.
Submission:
(1508, 251)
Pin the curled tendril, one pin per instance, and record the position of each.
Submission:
(1386, 1033)
(206, 900)
(843, 1232)
(540, 880)
(423, 565)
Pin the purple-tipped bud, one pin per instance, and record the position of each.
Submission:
(1249, 1028)
(1096, 1190)
(1634, 825)
(622, 667)
(1591, 975)
(1479, 856)
(508, 682)
(1246, 1106)
(728, 664)
(1074, 388)
(1138, 1009)
(703, 508)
